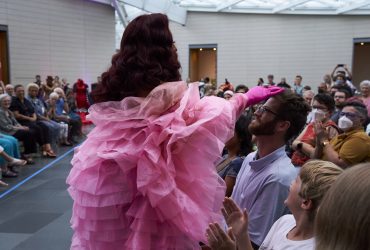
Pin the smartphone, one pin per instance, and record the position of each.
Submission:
(340, 65)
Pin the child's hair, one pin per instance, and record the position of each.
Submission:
(343, 218)
(317, 177)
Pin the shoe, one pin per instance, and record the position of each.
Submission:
(17, 162)
(49, 154)
(67, 143)
(3, 184)
(12, 168)
(9, 174)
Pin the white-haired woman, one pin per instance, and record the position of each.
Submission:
(365, 91)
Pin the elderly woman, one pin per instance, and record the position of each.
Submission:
(365, 91)
(25, 114)
(62, 120)
(323, 106)
(42, 116)
(63, 109)
(10, 126)
(351, 147)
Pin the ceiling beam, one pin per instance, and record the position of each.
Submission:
(288, 5)
(227, 4)
(174, 12)
(121, 12)
(352, 6)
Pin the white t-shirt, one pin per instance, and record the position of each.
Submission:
(277, 239)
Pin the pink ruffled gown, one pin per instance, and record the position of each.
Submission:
(145, 176)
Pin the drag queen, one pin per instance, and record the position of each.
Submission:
(145, 176)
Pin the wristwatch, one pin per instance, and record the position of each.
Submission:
(324, 143)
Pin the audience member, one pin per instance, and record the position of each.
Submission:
(263, 181)
(8, 162)
(241, 89)
(365, 91)
(228, 94)
(304, 144)
(48, 87)
(343, 220)
(341, 96)
(293, 231)
(226, 86)
(11, 145)
(2, 90)
(349, 148)
(25, 114)
(10, 126)
(237, 147)
(297, 87)
(40, 108)
(9, 89)
(270, 80)
(56, 82)
(62, 110)
(283, 84)
(323, 88)
(260, 81)
(38, 80)
(308, 96)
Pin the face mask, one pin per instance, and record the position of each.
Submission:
(318, 115)
(345, 123)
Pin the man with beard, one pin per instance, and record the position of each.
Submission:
(265, 176)
(340, 98)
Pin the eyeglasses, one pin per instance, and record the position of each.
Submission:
(339, 97)
(263, 109)
(319, 107)
(348, 114)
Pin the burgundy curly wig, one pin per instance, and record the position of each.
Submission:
(146, 59)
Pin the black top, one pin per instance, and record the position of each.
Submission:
(26, 108)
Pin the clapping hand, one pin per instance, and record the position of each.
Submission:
(218, 239)
(235, 218)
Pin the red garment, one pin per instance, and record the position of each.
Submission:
(298, 158)
(81, 89)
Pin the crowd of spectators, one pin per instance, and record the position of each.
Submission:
(38, 118)
(331, 136)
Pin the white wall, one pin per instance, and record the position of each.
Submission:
(69, 38)
(252, 46)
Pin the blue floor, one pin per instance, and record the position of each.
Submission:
(35, 209)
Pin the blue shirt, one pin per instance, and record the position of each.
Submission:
(261, 187)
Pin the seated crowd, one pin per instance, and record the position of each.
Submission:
(42, 116)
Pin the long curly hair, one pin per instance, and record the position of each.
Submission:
(146, 59)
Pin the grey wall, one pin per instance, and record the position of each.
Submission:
(69, 38)
(252, 46)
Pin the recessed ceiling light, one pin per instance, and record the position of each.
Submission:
(362, 43)
(200, 49)
(214, 49)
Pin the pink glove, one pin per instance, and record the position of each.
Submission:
(258, 94)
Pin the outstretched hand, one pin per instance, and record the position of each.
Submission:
(235, 218)
(257, 94)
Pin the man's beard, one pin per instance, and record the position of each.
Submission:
(267, 128)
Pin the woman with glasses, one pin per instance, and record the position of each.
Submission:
(351, 147)
(304, 146)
